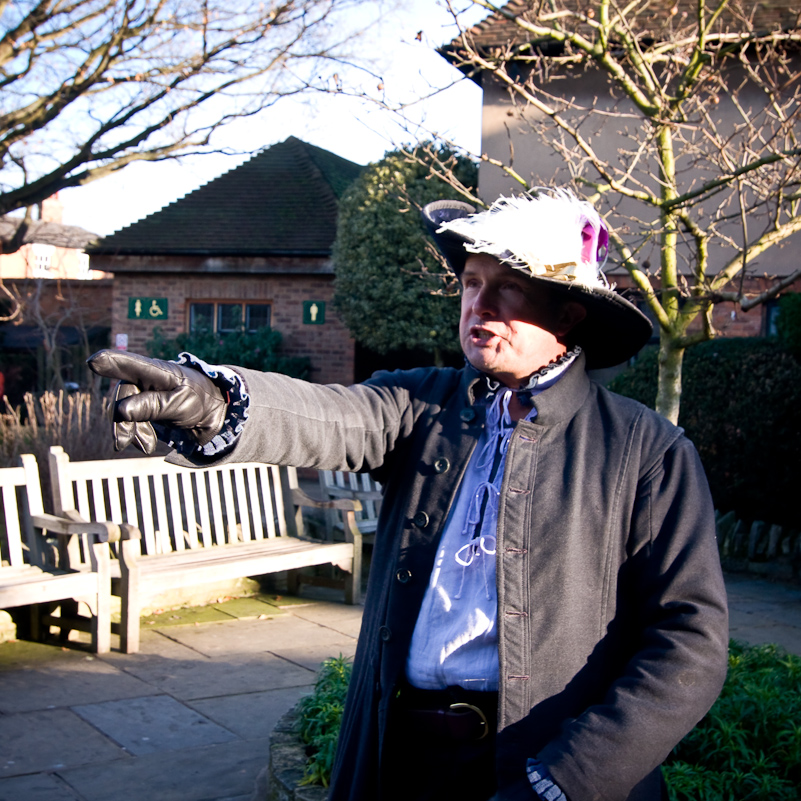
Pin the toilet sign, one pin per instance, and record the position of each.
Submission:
(313, 312)
(147, 308)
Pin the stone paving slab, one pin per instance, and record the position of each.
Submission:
(339, 617)
(51, 740)
(153, 724)
(65, 682)
(214, 773)
(38, 787)
(194, 676)
(251, 715)
(294, 639)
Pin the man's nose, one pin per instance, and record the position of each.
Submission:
(485, 302)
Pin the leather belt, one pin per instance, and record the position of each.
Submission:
(465, 718)
(458, 721)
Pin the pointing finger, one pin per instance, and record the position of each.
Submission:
(147, 374)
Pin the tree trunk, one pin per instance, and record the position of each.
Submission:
(668, 394)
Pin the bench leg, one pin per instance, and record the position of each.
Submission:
(101, 617)
(129, 595)
(293, 581)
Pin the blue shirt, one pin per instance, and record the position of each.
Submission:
(455, 640)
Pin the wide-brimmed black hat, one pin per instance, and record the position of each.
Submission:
(614, 329)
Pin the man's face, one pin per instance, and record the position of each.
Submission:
(508, 328)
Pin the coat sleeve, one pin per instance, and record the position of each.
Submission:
(675, 601)
(331, 427)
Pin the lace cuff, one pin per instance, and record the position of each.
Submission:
(232, 386)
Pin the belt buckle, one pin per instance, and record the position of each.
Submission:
(482, 717)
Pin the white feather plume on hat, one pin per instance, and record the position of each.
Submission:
(553, 235)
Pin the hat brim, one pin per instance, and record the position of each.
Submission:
(614, 329)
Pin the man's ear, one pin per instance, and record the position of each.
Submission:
(570, 315)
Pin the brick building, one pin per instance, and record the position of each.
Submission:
(249, 249)
(58, 307)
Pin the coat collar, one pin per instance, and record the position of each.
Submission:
(557, 403)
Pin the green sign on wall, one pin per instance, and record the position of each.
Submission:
(147, 308)
(313, 312)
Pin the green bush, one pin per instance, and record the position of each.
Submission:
(749, 745)
(788, 323)
(259, 350)
(321, 717)
(741, 406)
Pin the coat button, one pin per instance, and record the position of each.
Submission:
(404, 576)
(468, 415)
(442, 465)
(385, 633)
(420, 520)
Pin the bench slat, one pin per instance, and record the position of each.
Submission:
(13, 533)
(256, 504)
(201, 479)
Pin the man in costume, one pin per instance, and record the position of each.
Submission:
(545, 615)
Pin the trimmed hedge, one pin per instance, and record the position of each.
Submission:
(741, 406)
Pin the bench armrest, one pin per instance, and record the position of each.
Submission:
(63, 526)
(300, 498)
(72, 523)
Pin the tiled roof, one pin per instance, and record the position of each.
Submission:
(46, 233)
(496, 30)
(283, 201)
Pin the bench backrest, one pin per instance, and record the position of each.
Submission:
(177, 508)
(357, 486)
(21, 497)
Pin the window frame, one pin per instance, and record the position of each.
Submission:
(216, 314)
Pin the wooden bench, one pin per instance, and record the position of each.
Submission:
(355, 486)
(46, 578)
(181, 527)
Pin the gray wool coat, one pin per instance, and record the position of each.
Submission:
(612, 615)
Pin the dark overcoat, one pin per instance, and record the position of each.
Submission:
(612, 616)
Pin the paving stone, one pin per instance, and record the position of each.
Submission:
(788, 637)
(38, 787)
(297, 640)
(186, 616)
(253, 715)
(195, 774)
(153, 725)
(786, 614)
(46, 741)
(193, 675)
(22, 653)
(340, 617)
(64, 684)
(247, 608)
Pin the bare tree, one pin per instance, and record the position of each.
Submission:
(682, 118)
(89, 86)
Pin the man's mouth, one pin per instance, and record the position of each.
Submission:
(482, 334)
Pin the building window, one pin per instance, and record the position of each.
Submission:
(42, 259)
(226, 318)
(771, 315)
(83, 265)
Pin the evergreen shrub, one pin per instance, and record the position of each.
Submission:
(749, 745)
(321, 718)
(259, 350)
(741, 406)
(788, 323)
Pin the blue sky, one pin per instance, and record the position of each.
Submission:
(354, 130)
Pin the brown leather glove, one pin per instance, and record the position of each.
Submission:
(156, 391)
